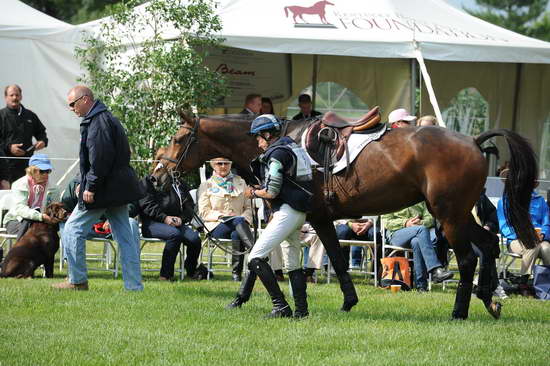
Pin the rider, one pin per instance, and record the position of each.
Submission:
(286, 183)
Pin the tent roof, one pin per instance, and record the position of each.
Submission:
(384, 28)
(15, 14)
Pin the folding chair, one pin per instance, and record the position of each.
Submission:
(107, 257)
(150, 257)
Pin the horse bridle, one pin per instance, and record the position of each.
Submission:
(192, 138)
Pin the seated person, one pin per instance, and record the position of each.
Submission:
(400, 118)
(267, 106)
(427, 121)
(357, 230)
(252, 105)
(226, 212)
(541, 220)
(30, 196)
(306, 108)
(165, 213)
(413, 227)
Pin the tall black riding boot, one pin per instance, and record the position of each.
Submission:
(243, 295)
(299, 287)
(348, 289)
(245, 234)
(237, 260)
(462, 302)
(281, 309)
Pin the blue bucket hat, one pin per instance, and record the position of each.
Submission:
(41, 161)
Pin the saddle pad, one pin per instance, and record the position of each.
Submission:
(356, 143)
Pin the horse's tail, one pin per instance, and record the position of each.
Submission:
(520, 182)
(286, 11)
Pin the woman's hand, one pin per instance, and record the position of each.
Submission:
(248, 192)
(172, 221)
(50, 220)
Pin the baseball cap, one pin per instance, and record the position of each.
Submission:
(41, 161)
(400, 114)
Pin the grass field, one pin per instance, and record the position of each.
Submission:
(184, 323)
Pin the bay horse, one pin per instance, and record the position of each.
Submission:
(318, 9)
(405, 166)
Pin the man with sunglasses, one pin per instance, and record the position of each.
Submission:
(107, 185)
(18, 127)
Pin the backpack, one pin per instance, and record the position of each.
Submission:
(396, 271)
(541, 282)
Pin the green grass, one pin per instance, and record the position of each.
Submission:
(184, 323)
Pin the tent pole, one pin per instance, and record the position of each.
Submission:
(414, 78)
(429, 87)
(515, 116)
(314, 80)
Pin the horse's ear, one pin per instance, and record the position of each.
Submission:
(186, 116)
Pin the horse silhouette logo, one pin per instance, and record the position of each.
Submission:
(316, 9)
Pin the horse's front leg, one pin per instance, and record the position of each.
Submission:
(326, 232)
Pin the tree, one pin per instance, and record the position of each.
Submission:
(516, 15)
(144, 78)
(86, 10)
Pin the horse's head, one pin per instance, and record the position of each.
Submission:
(181, 155)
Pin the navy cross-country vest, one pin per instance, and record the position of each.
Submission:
(296, 190)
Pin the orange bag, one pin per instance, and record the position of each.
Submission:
(396, 271)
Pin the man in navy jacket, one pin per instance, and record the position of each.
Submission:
(108, 184)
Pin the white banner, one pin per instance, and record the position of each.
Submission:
(249, 72)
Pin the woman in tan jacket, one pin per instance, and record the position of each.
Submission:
(225, 210)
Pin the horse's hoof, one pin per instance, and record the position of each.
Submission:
(348, 304)
(494, 309)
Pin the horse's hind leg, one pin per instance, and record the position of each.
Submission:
(326, 232)
(467, 261)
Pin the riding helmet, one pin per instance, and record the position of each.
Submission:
(263, 123)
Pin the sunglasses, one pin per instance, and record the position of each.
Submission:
(45, 171)
(72, 104)
(222, 163)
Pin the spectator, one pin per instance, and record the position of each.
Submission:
(108, 184)
(30, 196)
(414, 227)
(400, 118)
(315, 252)
(18, 126)
(252, 105)
(306, 108)
(4, 171)
(267, 106)
(427, 121)
(357, 230)
(226, 212)
(541, 220)
(165, 214)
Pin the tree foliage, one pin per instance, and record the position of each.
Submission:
(521, 16)
(145, 79)
(74, 11)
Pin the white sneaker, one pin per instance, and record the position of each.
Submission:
(499, 292)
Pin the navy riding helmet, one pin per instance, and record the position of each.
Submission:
(263, 123)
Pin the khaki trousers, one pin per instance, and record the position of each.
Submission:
(528, 256)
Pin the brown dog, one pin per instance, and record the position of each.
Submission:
(36, 247)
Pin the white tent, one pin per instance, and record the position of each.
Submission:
(38, 55)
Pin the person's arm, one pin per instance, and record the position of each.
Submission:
(20, 207)
(545, 216)
(206, 212)
(273, 180)
(505, 228)
(39, 133)
(149, 206)
(247, 212)
(394, 221)
(101, 150)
